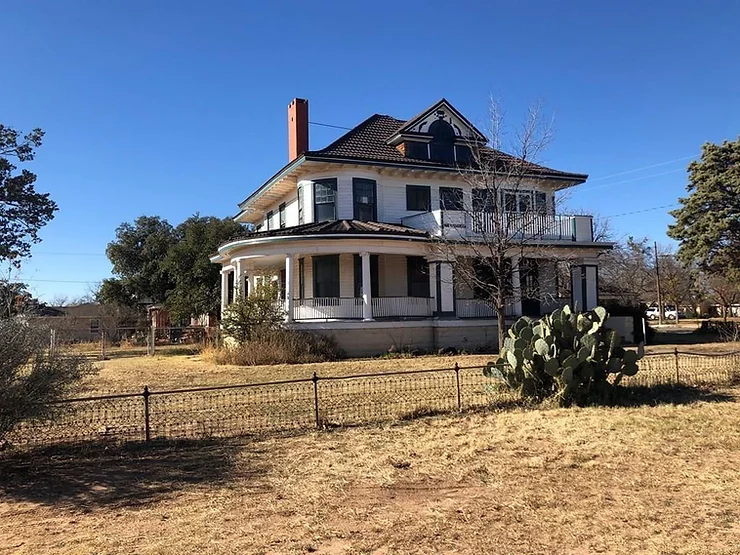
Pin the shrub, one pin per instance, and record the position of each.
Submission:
(565, 355)
(279, 346)
(32, 376)
(259, 312)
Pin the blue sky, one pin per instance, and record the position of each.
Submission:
(175, 107)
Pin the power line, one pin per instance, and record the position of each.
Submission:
(631, 180)
(329, 125)
(645, 210)
(644, 168)
(56, 280)
(71, 253)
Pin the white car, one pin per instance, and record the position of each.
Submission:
(669, 312)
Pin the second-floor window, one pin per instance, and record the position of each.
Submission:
(450, 198)
(483, 200)
(325, 200)
(269, 220)
(364, 195)
(281, 213)
(525, 201)
(419, 197)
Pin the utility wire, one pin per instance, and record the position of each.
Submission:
(644, 168)
(329, 125)
(586, 189)
(641, 211)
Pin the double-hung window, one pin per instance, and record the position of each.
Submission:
(419, 197)
(451, 198)
(364, 193)
(300, 205)
(517, 201)
(417, 276)
(281, 212)
(269, 220)
(326, 276)
(325, 200)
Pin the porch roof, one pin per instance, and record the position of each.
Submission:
(337, 227)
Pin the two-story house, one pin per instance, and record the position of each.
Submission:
(348, 232)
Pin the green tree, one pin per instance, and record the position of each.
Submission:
(260, 312)
(197, 281)
(707, 226)
(23, 211)
(138, 256)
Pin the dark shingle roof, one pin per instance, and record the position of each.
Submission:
(368, 143)
(338, 227)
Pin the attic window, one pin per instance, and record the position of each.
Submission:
(417, 150)
(442, 147)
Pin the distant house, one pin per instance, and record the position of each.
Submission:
(346, 231)
(83, 322)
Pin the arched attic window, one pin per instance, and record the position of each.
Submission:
(442, 147)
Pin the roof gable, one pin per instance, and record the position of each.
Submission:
(441, 110)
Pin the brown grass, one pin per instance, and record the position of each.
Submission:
(617, 480)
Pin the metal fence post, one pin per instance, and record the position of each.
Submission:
(315, 380)
(675, 358)
(457, 383)
(146, 395)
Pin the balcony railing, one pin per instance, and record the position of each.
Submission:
(545, 227)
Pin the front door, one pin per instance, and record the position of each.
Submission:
(530, 283)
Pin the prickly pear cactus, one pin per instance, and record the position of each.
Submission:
(569, 355)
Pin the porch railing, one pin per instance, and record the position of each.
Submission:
(384, 307)
(478, 308)
(327, 308)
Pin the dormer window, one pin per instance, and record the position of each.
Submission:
(442, 147)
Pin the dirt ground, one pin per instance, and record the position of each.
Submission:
(641, 479)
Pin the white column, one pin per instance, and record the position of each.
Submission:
(224, 289)
(447, 288)
(433, 285)
(289, 288)
(516, 284)
(367, 300)
(238, 280)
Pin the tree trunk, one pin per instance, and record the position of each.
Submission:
(501, 318)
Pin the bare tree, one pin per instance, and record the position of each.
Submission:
(503, 230)
(725, 289)
(677, 282)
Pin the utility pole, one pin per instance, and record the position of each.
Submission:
(657, 284)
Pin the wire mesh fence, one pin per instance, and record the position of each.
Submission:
(229, 411)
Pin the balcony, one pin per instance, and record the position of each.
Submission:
(453, 224)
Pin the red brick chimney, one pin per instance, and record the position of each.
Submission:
(297, 128)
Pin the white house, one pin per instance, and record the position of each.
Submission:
(347, 230)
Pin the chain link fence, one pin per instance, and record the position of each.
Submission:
(237, 410)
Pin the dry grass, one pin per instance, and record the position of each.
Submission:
(616, 480)
(168, 372)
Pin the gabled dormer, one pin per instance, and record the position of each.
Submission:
(440, 133)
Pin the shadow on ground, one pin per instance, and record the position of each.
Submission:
(133, 474)
(669, 394)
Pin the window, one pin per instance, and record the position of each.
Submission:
(442, 147)
(94, 325)
(230, 289)
(485, 273)
(325, 200)
(364, 195)
(281, 284)
(373, 275)
(300, 205)
(326, 276)
(450, 198)
(258, 228)
(417, 150)
(417, 274)
(518, 201)
(419, 197)
(301, 278)
(269, 220)
(281, 215)
(463, 155)
(540, 202)
(483, 200)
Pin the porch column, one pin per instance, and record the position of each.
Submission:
(584, 285)
(516, 284)
(367, 299)
(224, 289)
(238, 279)
(446, 291)
(289, 288)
